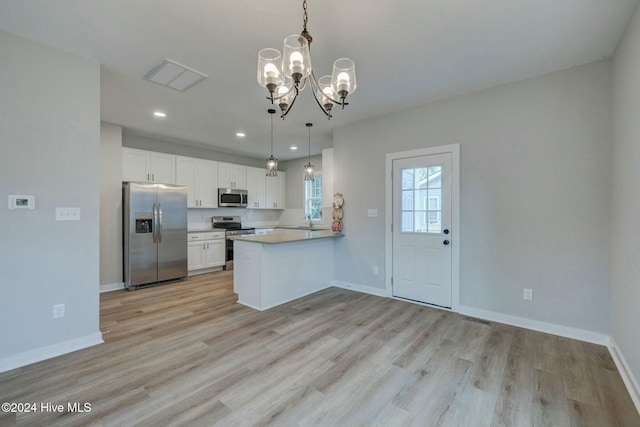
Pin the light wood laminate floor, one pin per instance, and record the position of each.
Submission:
(188, 354)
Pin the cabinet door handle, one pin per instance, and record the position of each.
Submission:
(207, 246)
(153, 177)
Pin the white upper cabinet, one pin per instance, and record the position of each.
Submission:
(186, 175)
(232, 176)
(148, 166)
(207, 184)
(274, 186)
(201, 178)
(256, 188)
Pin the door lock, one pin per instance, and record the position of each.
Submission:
(446, 242)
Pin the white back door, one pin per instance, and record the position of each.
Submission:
(421, 229)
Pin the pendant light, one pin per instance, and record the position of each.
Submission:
(308, 168)
(272, 162)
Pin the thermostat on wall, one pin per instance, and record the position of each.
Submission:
(22, 202)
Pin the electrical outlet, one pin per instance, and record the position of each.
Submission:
(58, 311)
(527, 294)
(375, 270)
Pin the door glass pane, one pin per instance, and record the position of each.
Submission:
(407, 178)
(421, 200)
(435, 197)
(420, 222)
(435, 173)
(421, 178)
(407, 200)
(435, 222)
(407, 222)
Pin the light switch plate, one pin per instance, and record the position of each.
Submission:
(372, 213)
(67, 214)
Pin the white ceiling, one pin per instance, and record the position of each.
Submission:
(407, 53)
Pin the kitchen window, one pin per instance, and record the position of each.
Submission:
(313, 198)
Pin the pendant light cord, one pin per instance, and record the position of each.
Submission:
(271, 134)
(309, 127)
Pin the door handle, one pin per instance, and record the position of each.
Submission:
(446, 242)
(154, 224)
(160, 222)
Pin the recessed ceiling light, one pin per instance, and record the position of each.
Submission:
(159, 114)
(241, 134)
(293, 147)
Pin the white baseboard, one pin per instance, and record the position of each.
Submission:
(204, 271)
(360, 288)
(48, 352)
(111, 287)
(536, 325)
(283, 302)
(625, 372)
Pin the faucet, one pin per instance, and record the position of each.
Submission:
(308, 216)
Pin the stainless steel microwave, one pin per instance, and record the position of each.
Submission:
(232, 198)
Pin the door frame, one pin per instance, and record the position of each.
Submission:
(454, 150)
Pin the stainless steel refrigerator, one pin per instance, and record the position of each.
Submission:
(154, 233)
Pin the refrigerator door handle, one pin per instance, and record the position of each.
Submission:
(154, 224)
(160, 222)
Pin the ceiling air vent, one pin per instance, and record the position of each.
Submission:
(175, 76)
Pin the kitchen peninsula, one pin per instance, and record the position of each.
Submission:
(275, 268)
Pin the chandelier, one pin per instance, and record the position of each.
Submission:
(286, 75)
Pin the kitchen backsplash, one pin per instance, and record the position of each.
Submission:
(200, 219)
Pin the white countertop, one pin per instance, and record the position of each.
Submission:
(271, 239)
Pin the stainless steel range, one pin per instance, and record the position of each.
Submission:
(233, 227)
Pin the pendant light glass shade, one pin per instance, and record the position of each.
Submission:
(269, 75)
(308, 168)
(343, 78)
(324, 93)
(272, 166)
(296, 59)
(272, 162)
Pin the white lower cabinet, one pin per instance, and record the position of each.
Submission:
(205, 250)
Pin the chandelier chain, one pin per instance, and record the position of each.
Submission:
(305, 16)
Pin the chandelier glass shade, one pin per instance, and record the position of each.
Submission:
(308, 168)
(272, 162)
(285, 76)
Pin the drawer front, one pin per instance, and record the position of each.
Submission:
(194, 237)
(215, 235)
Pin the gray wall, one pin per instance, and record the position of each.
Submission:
(294, 180)
(535, 176)
(110, 204)
(180, 149)
(50, 139)
(625, 230)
